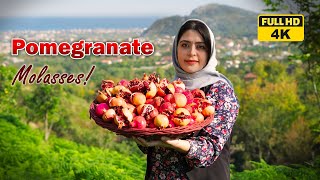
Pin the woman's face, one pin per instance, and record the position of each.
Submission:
(192, 52)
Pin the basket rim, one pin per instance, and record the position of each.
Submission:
(145, 132)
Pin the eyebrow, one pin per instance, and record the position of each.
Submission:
(186, 41)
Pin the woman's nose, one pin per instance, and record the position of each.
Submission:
(193, 51)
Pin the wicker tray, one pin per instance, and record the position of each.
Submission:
(149, 132)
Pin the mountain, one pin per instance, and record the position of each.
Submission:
(223, 20)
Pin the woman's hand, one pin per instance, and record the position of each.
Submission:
(182, 146)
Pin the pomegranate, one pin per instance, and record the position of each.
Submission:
(149, 101)
(101, 97)
(188, 95)
(180, 99)
(198, 93)
(161, 121)
(119, 121)
(139, 109)
(149, 112)
(131, 107)
(127, 114)
(138, 98)
(152, 114)
(151, 125)
(109, 115)
(179, 83)
(117, 101)
(145, 77)
(123, 82)
(101, 108)
(208, 111)
(178, 90)
(151, 90)
(161, 87)
(170, 89)
(181, 117)
(154, 78)
(168, 98)
(189, 108)
(117, 89)
(136, 85)
(139, 122)
(158, 101)
(192, 121)
(107, 84)
(198, 117)
(171, 124)
(166, 108)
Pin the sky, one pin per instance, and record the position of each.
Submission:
(115, 8)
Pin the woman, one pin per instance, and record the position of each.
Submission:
(205, 155)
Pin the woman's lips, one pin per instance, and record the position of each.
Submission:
(191, 62)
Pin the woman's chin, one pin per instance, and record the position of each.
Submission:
(191, 70)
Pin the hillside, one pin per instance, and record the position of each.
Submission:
(223, 20)
(24, 155)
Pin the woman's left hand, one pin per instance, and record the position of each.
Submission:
(182, 146)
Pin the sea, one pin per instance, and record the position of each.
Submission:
(58, 23)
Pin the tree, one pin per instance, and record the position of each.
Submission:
(43, 105)
(8, 93)
(310, 47)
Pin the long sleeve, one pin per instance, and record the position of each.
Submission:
(207, 145)
(144, 150)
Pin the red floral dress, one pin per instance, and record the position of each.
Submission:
(205, 147)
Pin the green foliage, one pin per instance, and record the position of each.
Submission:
(8, 93)
(261, 170)
(270, 117)
(224, 20)
(24, 155)
(310, 46)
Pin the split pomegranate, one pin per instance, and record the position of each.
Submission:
(181, 117)
(179, 83)
(170, 89)
(166, 108)
(151, 102)
(158, 101)
(119, 121)
(151, 90)
(101, 97)
(198, 93)
(124, 82)
(105, 84)
(127, 114)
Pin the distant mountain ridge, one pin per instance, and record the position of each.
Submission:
(222, 19)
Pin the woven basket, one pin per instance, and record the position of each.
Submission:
(154, 133)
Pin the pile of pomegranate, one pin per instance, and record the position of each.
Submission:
(151, 102)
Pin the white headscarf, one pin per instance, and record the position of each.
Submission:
(205, 76)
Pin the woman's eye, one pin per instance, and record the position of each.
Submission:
(201, 47)
(184, 45)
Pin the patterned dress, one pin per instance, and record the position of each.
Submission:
(205, 147)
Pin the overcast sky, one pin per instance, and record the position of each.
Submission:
(89, 8)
